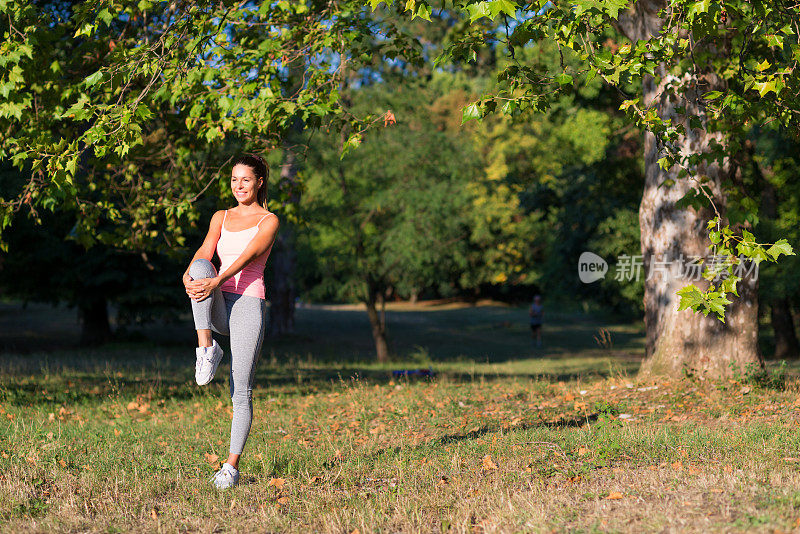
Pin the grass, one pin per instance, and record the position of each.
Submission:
(120, 439)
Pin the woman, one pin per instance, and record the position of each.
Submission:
(232, 303)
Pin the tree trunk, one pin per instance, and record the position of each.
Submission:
(786, 346)
(685, 341)
(93, 315)
(284, 258)
(282, 292)
(377, 320)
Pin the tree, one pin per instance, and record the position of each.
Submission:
(164, 83)
(121, 113)
(388, 218)
(704, 82)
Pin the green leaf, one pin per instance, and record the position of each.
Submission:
(690, 297)
(780, 247)
(352, 142)
(502, 6)
(766, 87)
(472, 111)
(564, 79)
(92, 79)
(478, 10)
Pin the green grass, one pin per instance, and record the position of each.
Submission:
(120, 439)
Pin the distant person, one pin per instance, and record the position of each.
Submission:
(536, 312)
(232, 303)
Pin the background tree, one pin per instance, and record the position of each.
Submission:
(388, 218)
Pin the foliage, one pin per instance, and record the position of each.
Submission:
(118, 109)
(398, 202)
(748, 53)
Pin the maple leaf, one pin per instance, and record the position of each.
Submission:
(277, 482)
(614, 495)
(388, 118)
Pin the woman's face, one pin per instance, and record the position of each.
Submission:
(244, 184)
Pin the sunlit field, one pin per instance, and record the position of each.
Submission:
(502, 438)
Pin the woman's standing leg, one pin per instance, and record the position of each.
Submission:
(247, 325)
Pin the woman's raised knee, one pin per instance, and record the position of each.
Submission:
(202, 268)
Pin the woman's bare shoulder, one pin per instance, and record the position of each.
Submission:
(217, 218)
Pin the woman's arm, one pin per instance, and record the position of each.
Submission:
(261, 243)
(206, 250)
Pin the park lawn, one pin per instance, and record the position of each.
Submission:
(107, 451)
(119, 438)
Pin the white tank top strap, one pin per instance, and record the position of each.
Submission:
(258, 224)
(223, 219)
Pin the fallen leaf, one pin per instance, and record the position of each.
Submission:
(569, 397)
(583, 451)
(49, 435)
(51, 416)
(117, 432)
(283, 500)
(677, 466)
(614, 495)
(277, 482)
(62, 463)
(745, 390)
(488, 464)
(154, 513)
(133, 405)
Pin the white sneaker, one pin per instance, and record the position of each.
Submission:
(208, 359)
(227, 477)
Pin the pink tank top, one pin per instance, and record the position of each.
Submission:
(250, 280)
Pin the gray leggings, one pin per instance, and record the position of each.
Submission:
(243, 319)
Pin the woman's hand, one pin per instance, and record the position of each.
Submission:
(201, 289)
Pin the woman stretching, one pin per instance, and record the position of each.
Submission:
(231, 303)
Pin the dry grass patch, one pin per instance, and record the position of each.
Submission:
(506, 455)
